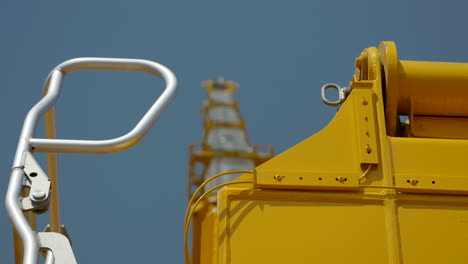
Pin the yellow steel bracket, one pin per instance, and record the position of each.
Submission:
(365, 122)
(327, 160)
(337, 156)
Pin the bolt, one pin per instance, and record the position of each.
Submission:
(367, 133)
(341, 179)
(368, 149)
(366, 118)
(413, 181)
(364, 101)
(39, 195)
(278, 177)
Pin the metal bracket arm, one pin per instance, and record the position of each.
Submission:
(59, 245)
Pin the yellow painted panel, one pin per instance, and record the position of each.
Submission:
(442, 161)
(207, 239)
(305, 232)
(439, 127)
(434, 234)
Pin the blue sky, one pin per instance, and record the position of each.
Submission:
(128, 207)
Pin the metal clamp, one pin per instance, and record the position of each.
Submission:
(39, 185)
(343, 92)
(58, 247)
(37, 179)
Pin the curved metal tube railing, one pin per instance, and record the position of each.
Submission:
(52, 91)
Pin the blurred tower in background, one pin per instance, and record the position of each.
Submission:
(225, 145)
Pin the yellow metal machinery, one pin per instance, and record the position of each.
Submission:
(385, 182)
(225, 147)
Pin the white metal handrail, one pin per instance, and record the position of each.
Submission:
(27, 143)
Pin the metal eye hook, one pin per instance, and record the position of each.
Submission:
(343, 92)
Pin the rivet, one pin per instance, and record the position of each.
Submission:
(39, 195)
(368, 149)
(367, 133)
(364, 101)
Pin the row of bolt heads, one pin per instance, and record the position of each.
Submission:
(341, 179)
(279, 178)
